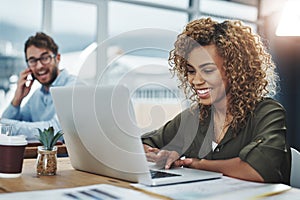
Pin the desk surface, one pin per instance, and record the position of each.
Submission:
(67, 177)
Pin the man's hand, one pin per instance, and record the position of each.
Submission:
(22, 89)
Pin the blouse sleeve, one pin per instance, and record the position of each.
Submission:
(268, 151)
(174, 135)
(162, 137)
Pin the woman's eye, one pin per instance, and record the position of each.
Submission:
(190, 71)
(207, 71)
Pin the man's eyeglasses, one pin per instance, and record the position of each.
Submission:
(44, 59)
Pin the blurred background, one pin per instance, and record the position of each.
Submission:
(113, 41)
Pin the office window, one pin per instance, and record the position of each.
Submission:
(74, 27)
(229, 10)
(175, 3)
(142, 36)
(18, 19)
(74, 24)
(222, 10)
(143, 31)
(125, 17)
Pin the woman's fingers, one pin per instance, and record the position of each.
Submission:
(162, 158)
(188, 162)
(151, 156)
(173, 156)
(151, 149)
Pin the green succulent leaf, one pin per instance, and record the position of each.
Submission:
(56, 137)
(47, 137)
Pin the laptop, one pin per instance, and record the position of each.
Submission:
(102, 137)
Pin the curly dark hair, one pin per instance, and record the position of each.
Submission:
(248, 67)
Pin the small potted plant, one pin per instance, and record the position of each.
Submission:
(47, 153)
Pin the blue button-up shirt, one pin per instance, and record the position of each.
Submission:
(38, 112)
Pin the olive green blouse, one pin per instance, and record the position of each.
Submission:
(262, 142)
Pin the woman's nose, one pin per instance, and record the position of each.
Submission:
(198, 79)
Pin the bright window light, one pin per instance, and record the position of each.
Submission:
(289, 24)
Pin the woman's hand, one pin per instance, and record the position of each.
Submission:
(188, 162)
(161, 157)
(150, 153)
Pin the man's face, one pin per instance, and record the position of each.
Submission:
(45, 69)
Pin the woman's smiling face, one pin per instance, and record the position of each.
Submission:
(205, 74)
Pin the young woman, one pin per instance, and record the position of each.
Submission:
(234, 126)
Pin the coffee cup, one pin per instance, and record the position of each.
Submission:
(11, 155)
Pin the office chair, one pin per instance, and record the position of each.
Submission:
(295, 173)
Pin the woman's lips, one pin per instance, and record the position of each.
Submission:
(203, 93)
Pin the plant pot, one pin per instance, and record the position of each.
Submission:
(46, 163)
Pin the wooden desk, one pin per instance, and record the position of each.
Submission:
(66, 177)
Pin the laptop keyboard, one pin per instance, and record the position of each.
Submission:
(159, 174)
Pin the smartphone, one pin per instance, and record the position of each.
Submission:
(29, 79)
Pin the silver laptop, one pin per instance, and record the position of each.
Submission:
(102, 137)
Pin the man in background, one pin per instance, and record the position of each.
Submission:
(42, 58)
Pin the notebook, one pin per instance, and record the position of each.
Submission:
(102, 137)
